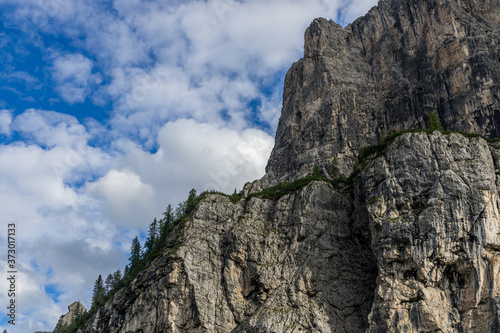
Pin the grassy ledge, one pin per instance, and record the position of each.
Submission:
(379, 149)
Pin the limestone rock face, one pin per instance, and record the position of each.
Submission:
(74, 310)
(388, 71)
(433, 204)
(301, 264)
(413, 246)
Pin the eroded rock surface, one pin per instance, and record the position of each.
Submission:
(433, 204)
(301, 264)
(75, 309)
(388, 71)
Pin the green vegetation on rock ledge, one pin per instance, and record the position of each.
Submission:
(277, 191)
(379, 149)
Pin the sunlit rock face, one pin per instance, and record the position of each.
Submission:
(434, 220)
(388, 71)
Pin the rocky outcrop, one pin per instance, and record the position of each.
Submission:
(300, 264)
(74, 310)
(388, 71)
(433, 202)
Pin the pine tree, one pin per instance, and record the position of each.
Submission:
(180, 211)
(434, 123)
(151, 240)
(108, 283)
(117, 276)
(168, 217)
(135, 254)
(191, 201)
(316, 172)
(164, 226)
(99, 292)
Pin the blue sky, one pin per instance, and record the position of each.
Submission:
(111, 110)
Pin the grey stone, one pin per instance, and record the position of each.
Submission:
(388, 71)
(435, 225)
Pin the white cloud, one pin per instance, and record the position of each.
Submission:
(5, 121)
(216, 158)
(50, 128)
(126, 197)
(74, 77)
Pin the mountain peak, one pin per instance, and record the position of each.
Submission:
(388, 71)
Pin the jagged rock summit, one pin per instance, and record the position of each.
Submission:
(75, 309)
(388, 71)
(411, 245)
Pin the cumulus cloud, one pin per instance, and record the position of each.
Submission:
(126, 197)
(61, 231)
(5, 121)
(49, 128)
(194, 155)
(217, 158)
(209, 55)
(74, 77)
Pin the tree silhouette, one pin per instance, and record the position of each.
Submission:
(99, 292)
(135, 254)
(152, 235)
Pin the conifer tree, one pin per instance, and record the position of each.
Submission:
(191, 201)
(164, 226)
(151, 240)
(168, 217)
(434, 123)
(135, 254)
(316, 172)
(117, 276)
(180, 211)
(98, 293)
(108, 283)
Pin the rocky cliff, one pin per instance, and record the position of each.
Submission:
(413, 247)
(435, 231)
(297, 264)
(388, 71)
(412, 244)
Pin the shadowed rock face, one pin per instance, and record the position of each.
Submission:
(388, 71)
